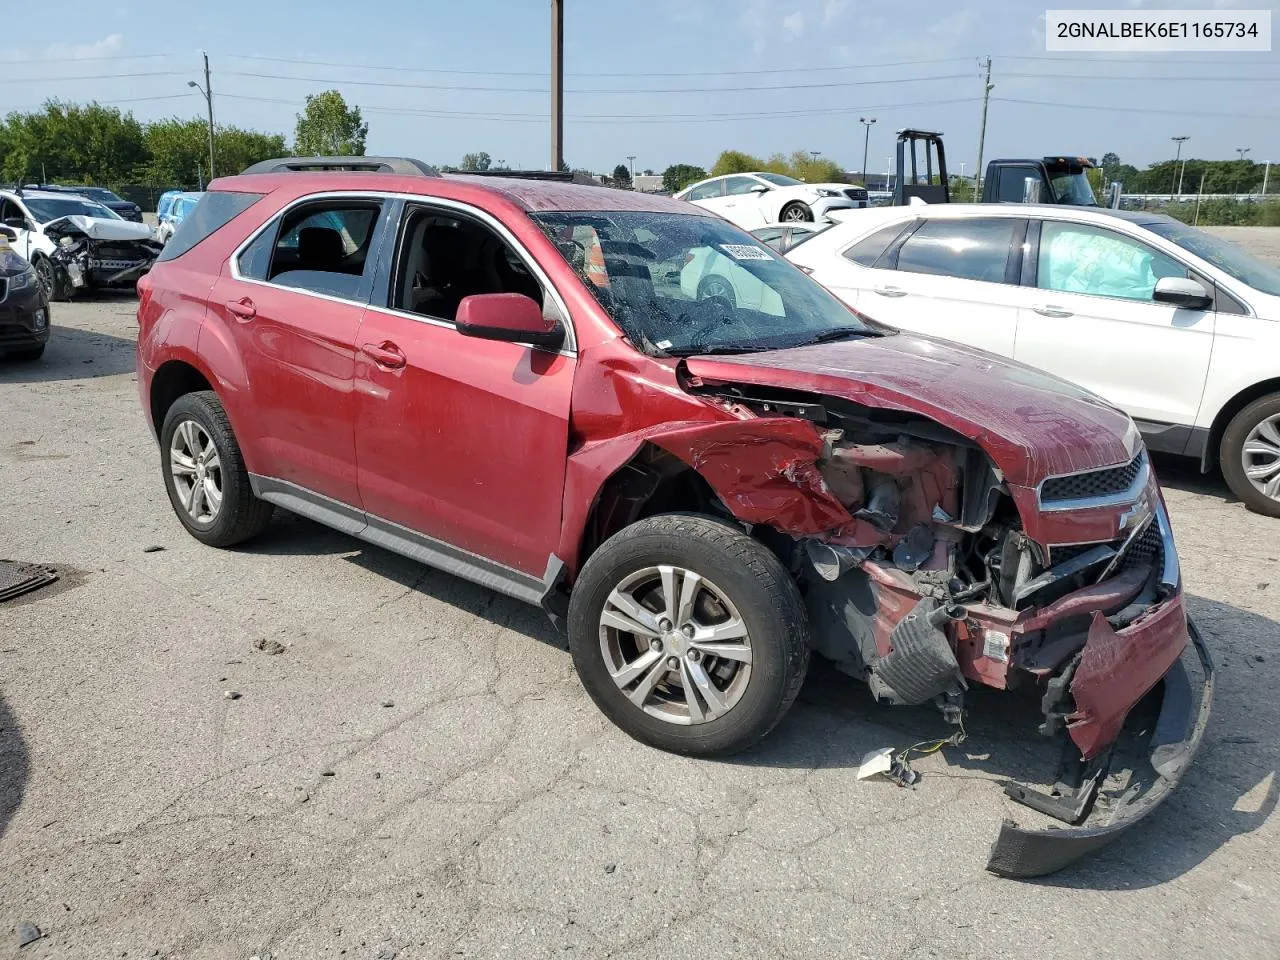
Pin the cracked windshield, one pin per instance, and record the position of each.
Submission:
(680, 284)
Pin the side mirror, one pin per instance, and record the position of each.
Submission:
(1182, 292)
(1031, 190)
(759, 188)
(511, 317)
(17, 223)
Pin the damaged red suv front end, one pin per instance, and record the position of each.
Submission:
(966, 520)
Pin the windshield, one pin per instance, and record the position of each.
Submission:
(679, 284)
(1226, 256)
(778, 180)
(1071, 188)
(47, 209)
(101, 194)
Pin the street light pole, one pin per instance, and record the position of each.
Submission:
(207, 92)
(1177, 180)
(866, 142)
(888, 172)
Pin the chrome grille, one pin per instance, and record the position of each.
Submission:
(1093, 484)
(854, 193)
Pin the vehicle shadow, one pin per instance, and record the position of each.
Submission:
(73, 354)
(13, 765)
(1183, 473)
(292, 535)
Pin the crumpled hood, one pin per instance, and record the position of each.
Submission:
(1032, 424)
(97, 228)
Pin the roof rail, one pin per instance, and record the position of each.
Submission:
(406, 166)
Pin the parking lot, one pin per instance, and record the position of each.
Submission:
(309, 747)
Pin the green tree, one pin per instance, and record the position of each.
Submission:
(621, 175)
(179, 150)
(74, 143)
(477, 161)
(735, 161)
(679, 175)
(327, 127)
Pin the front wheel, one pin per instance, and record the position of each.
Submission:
(689, 635)
(796, 213)
(1250, 455)
(47, 275)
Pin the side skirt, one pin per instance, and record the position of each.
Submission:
(406, 542)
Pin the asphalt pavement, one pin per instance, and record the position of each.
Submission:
(308, 747)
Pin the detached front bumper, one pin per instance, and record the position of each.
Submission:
(1174, 740)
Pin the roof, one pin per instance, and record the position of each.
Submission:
(532, 196)
(38, 194)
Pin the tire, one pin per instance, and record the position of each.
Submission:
(47, 272)
(761, 597)
(29, 355)
(717, 288)
(239, 515)
(1246, 443)
(796, 212)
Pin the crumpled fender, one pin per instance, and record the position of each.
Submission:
(765, 471)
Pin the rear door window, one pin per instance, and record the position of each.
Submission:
(970, 249)
(214, 211)
(322, 247)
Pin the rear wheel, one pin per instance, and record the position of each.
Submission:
(205, 475)
(796, 212)
(689, 635)
(717, 288)
(1250, 455)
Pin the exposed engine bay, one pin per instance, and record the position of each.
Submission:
(93, 253)
(933, 584)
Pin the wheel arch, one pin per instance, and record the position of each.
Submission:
(1256, 391)
(173, 379)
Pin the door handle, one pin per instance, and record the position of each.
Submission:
(1048, 310)
(243, 308)
(890, 291)
(385, 354)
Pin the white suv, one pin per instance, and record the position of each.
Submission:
(1179, 329)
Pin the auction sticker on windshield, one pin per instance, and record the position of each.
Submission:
(1158, 30)
(743, 251)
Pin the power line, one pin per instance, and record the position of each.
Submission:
(127, 56)
(1143, 60)
(542, 90)
(1112, 76)
(645, 73)
(100, 76)
(1145, 110)
(616, 118)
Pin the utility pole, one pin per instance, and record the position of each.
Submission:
(199, 176)
(1266, 172)
(207, 92)
(632, 160)
(987, 87)
(557, 84)
(866, 142)
(1177, 180)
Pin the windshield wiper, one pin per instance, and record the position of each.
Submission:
(710, 350)
(839, 333)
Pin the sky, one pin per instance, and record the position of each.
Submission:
(668, 81)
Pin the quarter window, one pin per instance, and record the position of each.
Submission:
(870, 249)
(968, 249)
(214, 211)
(1076, 258)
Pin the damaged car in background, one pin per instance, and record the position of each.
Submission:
(76, 244)
(703, 490)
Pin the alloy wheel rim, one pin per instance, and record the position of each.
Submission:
(196, 467)
(716, 288)
(675, 645)
(44, 273)
(794, 215)
(1261, 456)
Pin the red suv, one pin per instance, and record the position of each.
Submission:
(530, 385)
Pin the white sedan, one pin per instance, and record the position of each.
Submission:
(753, 200)
(1179, 329)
